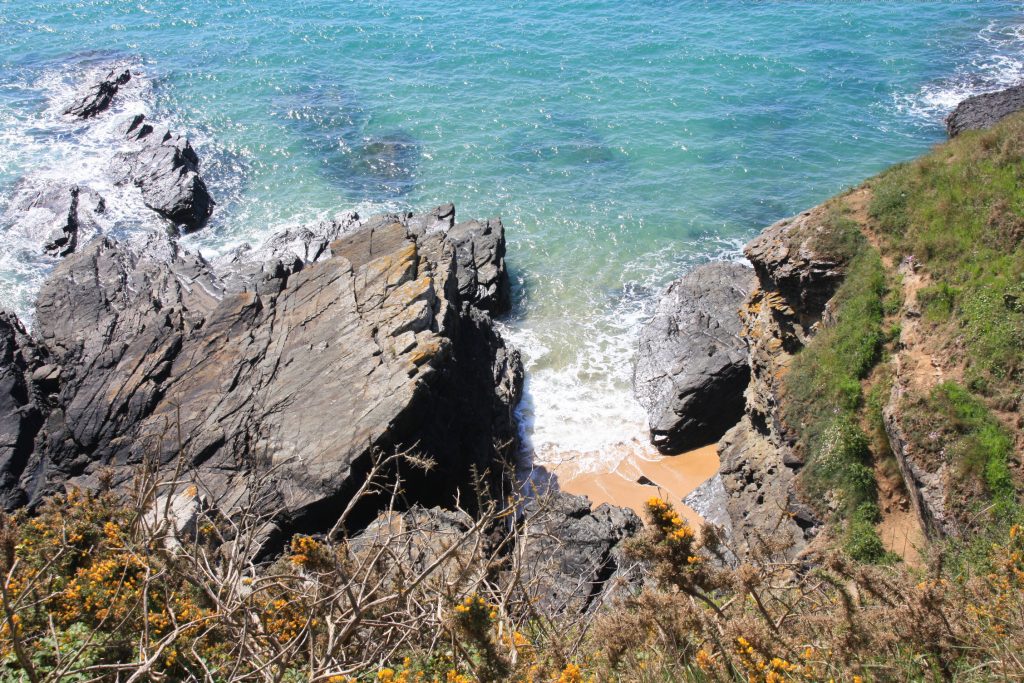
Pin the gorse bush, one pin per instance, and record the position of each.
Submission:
(93, 591)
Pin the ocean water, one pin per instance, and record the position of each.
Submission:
(621, 142)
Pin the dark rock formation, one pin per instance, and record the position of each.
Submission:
(572, 554)
(297, 377)
(692, 366)
(100, 95)
(20, 413)
(74, 211)
(248, 269)
(480, 252)
(569, 555)
(56, 215)
(982, 111)
(165, 167)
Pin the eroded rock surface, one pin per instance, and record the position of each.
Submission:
(797, 274)
(21, 416)
(99, 96)
(163, 165)
(692, 364)
(573, 554)
(365, 347)
(982, 111)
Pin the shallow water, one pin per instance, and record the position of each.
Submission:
(622, 143)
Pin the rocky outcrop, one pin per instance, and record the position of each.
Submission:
(57, 215)
(572, 554)
(692, 366)
(165, 168)
(298, 379)
(982, 111)
(567, 555)
(925, 476)
(480, 253)
(798, 271)
(20, 412)
(100, 95)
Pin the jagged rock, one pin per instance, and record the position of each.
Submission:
(297, 382)
(20, 413)
(982, 111)
(59, 216)
(572, 554)
(710, 500)
(165, 167)
(761, 501)
(418, 538)
(795, 257)
(113, 319)
(798, 271)
(480, 251)
(692, 364)
(100, 95)
(286, 252)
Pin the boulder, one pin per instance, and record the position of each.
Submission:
(692, 366)
(299, 380)
(572, 555)
(100, 95)
(165, 168)
(982, 111)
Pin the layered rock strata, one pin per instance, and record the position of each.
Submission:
(297, 376)
(796, 277)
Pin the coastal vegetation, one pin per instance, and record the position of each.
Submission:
(891, 336)
(97, 588)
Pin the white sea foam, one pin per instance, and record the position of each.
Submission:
(46, 148)
(997, 63)
(584, 409)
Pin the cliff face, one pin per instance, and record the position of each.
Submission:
(294, 372)
(797, 274)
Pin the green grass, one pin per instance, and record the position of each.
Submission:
(960, 211)
(954, 424)
(823, 400)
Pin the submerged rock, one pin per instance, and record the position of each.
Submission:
(100, 95)
(692, 366)
(298, 382)
(57, 215)
(982, 111)
(165, 168)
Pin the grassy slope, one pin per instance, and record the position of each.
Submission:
(960, 212)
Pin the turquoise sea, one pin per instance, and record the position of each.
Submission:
(621, 142)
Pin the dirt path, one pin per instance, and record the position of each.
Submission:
(915, 366)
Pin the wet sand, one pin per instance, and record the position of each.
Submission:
(671, 478)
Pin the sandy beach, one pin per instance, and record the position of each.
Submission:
(639, 474)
